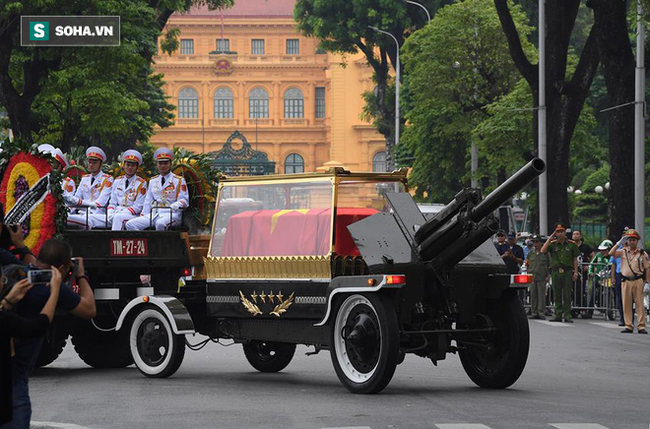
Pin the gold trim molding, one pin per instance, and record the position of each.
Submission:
(265, 267)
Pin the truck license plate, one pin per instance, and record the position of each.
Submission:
(129, 247)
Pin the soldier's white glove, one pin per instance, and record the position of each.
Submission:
(646, 288)
(622, 241)
(70, 200)
(176, 206)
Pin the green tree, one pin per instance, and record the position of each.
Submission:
(343, 27)
(26, 72)
(456, 66)
(565, 94)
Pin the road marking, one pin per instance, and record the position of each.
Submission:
(606, 324)
(577, 426)
(549, 323)
(53, 425)
(350, 427)
(462, 426)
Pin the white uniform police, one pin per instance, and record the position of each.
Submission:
(166, 197)
(93, 194)
(129, 191)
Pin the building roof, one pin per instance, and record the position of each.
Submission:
(245, 9)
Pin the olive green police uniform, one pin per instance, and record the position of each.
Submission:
(562, 256)
(538, 266)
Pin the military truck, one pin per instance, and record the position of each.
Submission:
(345, 262)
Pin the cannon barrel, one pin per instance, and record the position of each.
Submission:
(471, 223)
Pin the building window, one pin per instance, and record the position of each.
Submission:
(258, 103)
(379, 162)
(320, 102)
(294, 164)
(187, 46)
(223, 45)
(294, 103)
(223, 104)
(257, 47)
(188, 103)
(293, 47)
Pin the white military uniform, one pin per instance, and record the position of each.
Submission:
(170, 192)
(94, 192)
(127, 200)
(67, 184)
(69, 188)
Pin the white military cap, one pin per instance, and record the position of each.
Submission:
(162, 154)
(60, 156)
(46, 148)
(132, 155)
(95, 152)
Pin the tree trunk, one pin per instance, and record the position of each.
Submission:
(564, 99)
(618, 68)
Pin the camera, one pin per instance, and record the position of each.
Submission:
(39, 276)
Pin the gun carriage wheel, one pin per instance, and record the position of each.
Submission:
(157, 351)
(501, 358)
(365, 343)
(52, 347)
(268, 356)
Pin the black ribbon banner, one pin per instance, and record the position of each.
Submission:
(28, 201)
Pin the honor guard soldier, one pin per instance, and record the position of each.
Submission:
(93, 193)
(129, 191)
(59, 163)
(166, 197)
(564, 270)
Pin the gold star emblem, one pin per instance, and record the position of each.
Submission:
(254, 296)
(280, 296)
(263, 296)
(271, 296)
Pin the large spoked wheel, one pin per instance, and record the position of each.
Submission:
(500, 362)
(156, 350)
(269, 356)
(365, 343)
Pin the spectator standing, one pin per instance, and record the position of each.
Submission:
(11, 325)
(511, 253)
(597, 267)
(616, 281)
(564, 270)
(56, 253)
(586, 255)
(635, 265)
(539, 266)
(528, 247)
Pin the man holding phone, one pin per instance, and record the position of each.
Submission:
(54, 253)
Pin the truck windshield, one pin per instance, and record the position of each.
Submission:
(283, 219)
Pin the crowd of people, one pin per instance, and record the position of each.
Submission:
(575, 271)
(126, 202)
(27, 306)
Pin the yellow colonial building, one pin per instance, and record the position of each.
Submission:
(247, 69)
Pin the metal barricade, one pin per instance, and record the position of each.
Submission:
(591, 295)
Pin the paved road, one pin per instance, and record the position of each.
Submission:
(581, 376)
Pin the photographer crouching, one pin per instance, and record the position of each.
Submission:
(57, 255)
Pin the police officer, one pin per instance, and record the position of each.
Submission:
(538, 265)
(166, 196)
(93, 194)
(564, 270)
(129, 191)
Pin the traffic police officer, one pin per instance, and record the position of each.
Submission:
(564, 270)
(93, 194)
(129, 190)
(166, 196)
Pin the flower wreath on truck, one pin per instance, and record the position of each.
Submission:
(30, 193)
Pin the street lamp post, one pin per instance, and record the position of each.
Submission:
(422, 6)
(390, 164)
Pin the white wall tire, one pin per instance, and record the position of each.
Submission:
(156, 350)
(365, 343)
